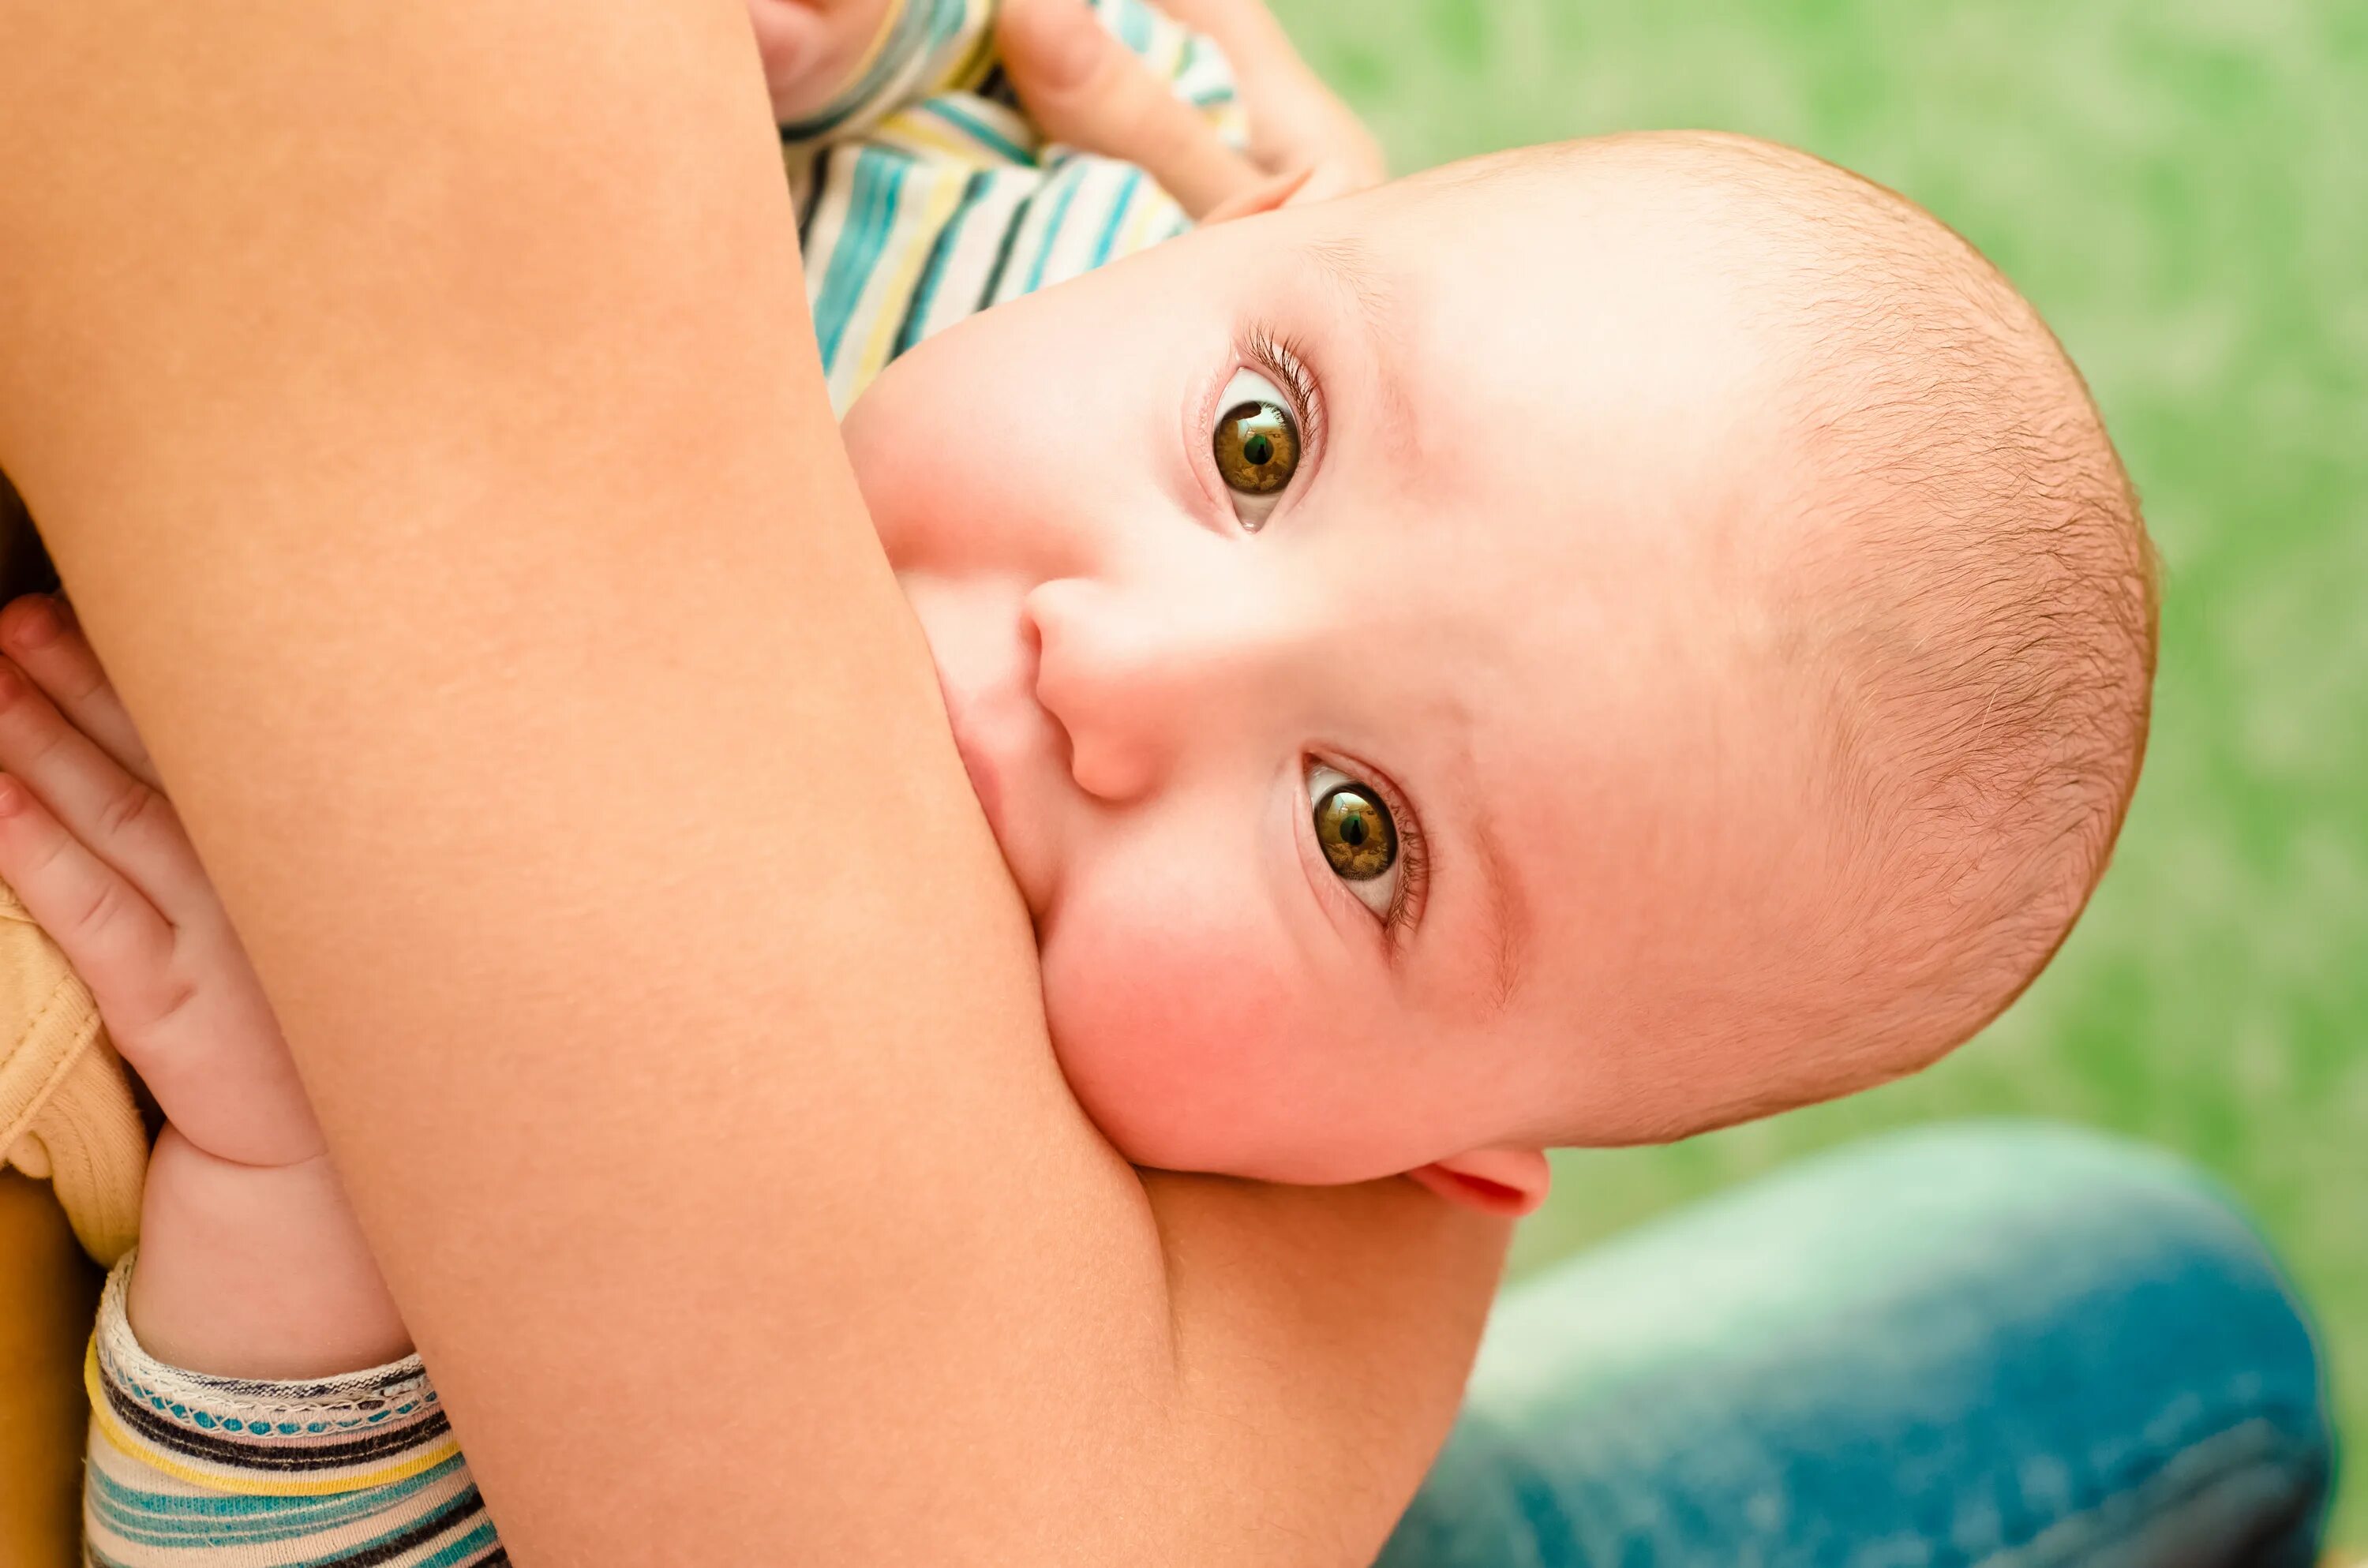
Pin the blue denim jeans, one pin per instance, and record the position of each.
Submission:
(1992, 1344)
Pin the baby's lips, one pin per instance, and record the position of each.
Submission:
(986, 782)
(971, 718)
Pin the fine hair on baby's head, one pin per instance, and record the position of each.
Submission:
(1708, 581)
(1954, 585)
(1960, 595)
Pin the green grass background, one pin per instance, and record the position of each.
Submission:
(2181, 186)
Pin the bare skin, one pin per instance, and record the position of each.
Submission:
(1436, 608)
(1083, 87)
(369, 371)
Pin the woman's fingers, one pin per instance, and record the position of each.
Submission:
(41, 634)
(121, 819)
(1086, 88)
(116, 940)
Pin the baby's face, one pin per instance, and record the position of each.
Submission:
(1330, 608)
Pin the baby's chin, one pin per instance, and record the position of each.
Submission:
(1173, 1103)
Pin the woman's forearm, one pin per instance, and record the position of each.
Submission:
(421, 405)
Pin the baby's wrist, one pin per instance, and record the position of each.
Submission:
(248, 1271)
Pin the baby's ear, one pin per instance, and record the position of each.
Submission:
(1506, 1182)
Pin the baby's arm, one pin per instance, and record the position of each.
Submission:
(250, 1264)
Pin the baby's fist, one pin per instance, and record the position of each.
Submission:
(100, 858)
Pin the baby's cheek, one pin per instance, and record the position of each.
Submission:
(953, 466)
(1174, 1036)
(910, 498)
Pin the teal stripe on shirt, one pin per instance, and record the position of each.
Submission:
(245, 1515)
(1133, 25)
(986, 135)
(1121, 205)
(295, 1518)
(1071, 178)
(871, 213)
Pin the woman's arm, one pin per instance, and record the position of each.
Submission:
(421, 403)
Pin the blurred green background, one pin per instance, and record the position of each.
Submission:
(2181, 186)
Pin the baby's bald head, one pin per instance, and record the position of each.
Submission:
(1975, 605)
(1946, 593)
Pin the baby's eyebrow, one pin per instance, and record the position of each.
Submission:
(1348, 269)
(1347, 264)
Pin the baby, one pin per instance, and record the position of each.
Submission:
(1579, 647)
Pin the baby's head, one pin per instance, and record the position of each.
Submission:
(1580, 647)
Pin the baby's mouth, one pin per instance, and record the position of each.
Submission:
(986, 676)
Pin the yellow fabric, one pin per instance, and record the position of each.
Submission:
(67, 1111)
(48, 1292)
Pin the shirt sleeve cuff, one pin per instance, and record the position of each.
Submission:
(299, 1438)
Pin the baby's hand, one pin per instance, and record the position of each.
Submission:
(1082, 86)
(241, 1187)
(94, 848)
(812, 48)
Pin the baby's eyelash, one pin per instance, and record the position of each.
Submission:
(1414, 851)
(1278, 355)
(1414, 873)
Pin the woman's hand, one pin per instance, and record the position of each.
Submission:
(1089, 90)
(241, 1187)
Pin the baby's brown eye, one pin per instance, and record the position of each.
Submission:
(1355, 830)
(1256, 448)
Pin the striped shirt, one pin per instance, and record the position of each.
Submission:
(185, 1468)
(915, 213)
(923, 195)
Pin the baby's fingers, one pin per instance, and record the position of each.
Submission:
(113, 936)
(122, 821)
(41, 635)
(1084, 87)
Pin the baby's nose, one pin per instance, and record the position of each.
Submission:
(1138, 679)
